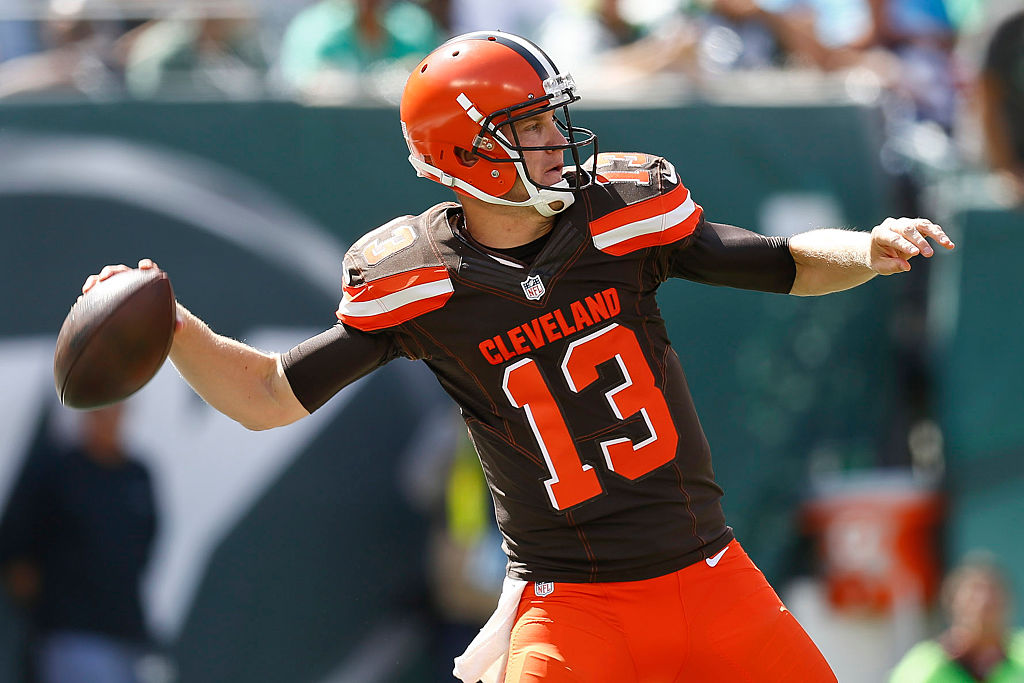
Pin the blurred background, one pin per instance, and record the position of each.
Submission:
(867, 441)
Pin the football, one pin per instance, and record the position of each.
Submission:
(114, 339)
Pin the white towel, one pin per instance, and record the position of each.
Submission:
(486, 657)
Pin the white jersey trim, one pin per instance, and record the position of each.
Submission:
(646, 226)
(391, 302)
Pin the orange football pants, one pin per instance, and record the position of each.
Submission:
(700, 624)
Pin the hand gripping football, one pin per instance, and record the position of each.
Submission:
(114, 339)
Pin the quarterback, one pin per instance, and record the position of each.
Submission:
(532, 299)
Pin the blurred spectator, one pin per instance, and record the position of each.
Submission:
(341, 49)
(921, 34)
(523, 17)
(824, 34)
(978, 645)
(800, 33)
(902, 45)
(74, 542)
(747, 35)
(274, 17)
(467, 564)
(1001, 103)
(198, 53)
(907, 43)
(441, 11)
(578, 30)
(77, 57)
(898, 22)
(18, 35)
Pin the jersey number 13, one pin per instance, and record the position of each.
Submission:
(571, 481)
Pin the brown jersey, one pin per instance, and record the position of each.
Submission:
(573, 396)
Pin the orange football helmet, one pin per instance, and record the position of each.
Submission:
(466, 94)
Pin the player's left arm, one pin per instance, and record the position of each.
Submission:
(831, 260)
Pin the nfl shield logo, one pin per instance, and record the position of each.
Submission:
(543, 589)
(533, 287)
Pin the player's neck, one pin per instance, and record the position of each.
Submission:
(503, 227)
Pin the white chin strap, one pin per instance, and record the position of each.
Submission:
(540, 198)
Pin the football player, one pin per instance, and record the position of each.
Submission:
(532, 299)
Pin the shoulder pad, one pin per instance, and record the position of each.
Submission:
(633, 167)
(649, 206)
(391, 275)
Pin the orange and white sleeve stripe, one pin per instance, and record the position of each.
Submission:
(653, 222)
(395, 299)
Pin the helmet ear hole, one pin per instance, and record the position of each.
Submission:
(465, 157)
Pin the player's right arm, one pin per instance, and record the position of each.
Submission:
(262, 390)
(244, 383)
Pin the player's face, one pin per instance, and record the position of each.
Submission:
(545, 166)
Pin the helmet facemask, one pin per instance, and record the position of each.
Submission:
(560, 93)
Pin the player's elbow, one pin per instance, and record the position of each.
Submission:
(258, 425)
(818, 280)
(276, 405)
(269, 419)
(805, 289)
(254, 418)
(807, 283)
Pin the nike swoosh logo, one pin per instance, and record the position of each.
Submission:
(712, 561)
